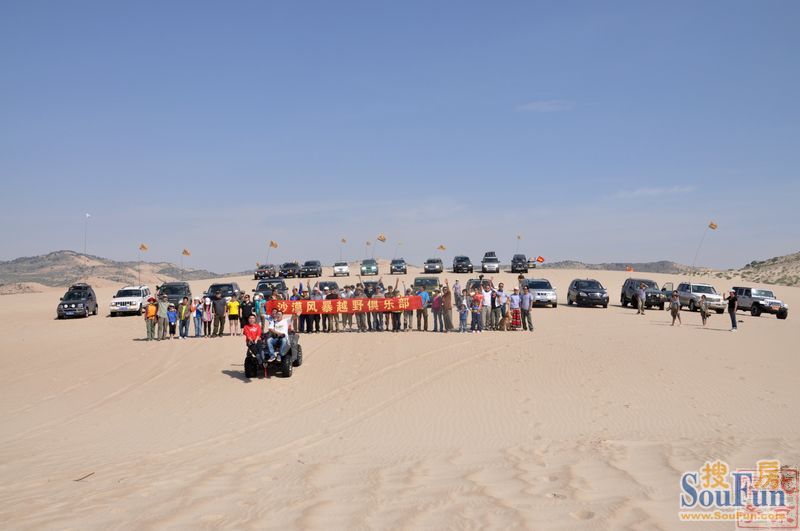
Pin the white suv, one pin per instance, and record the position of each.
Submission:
(689, 295)
(341, 268)
(130, 299)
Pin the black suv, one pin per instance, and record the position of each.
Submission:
(226, 288)
(79, 301)
(588, 292)
(312, 268)
(265, 271)
(654, 297)
(268, 286)
(462, 264)
(433, 265)
(174, 291)
(290, 269)
(398, 266)
(519, 264)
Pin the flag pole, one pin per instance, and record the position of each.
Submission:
(694, 260)
(85, 231)
(139, 269)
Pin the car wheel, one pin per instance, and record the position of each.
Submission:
(692, 307)
(299, 360)
(569, 301)
(755, 310)
(139, 311)
(555, 305)
(286, 366)
(86, 312)
(720, 312)
(113, 314)
(605, 305)
(622, 301)
(783, 313)
(661, 306)
(94, 312)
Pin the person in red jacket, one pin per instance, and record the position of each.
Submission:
(252, 331)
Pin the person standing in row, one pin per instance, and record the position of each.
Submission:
(172, 317)
(219, 306)
(151, 318)
(245, 311)
(486, 305)
(422, 313)
(234, 314)
(208, 316)
(476, 301)
(163, 308)
(513, 303)
(184, 316)
(197, 312)
(463, 312)
(260, 309)
(447, 307)
(733, 305)
(525, 305)
(436, 311)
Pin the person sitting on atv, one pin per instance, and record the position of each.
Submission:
(252, 330)
(279, 330)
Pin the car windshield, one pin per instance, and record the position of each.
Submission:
(75, 296)
(703, 289)
(426, 282)
(539, 284)
(763, 293)
(311, 263)
(647, 284)
(588, 284)
(398, 261)
(460, 259)
(519, 257)
(329, 285)
(129, 293)
(225, 289)
(288, 264)
(340, 264)
(369, 262)
(172, 289)
(491, 259)
(432, 261)
(271, 284)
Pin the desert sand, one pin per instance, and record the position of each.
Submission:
(587, 423)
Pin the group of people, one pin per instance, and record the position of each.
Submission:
(674, 308)
(481, 307)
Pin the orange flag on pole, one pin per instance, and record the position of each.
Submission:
(186, 252)
(143, 247)
(273, 244)
(540, 259)
(712, 226)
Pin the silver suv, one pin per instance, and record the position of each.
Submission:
(689, 295)
(758, 301)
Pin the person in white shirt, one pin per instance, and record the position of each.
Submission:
(279, 330)
(486, 305)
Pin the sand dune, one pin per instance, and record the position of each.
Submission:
(586, 423)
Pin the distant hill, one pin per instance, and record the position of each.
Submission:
(61, 268)
(783, 270)
(662, 266)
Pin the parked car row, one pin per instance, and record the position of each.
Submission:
(80, 299)
(369, 266)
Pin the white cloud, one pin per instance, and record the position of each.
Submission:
(652, 192)
(547, 106)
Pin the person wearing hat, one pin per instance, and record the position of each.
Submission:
(733, 305)
(516, 315)
(208, 316)
(184, 316)
(150, 318)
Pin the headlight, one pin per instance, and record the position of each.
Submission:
(72, 305)
(582, 293)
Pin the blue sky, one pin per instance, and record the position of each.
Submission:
(598, 131)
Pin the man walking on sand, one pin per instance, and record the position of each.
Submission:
(641, 294)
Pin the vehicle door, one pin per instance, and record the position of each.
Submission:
(745, 298)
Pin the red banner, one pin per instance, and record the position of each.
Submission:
(395, 304)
